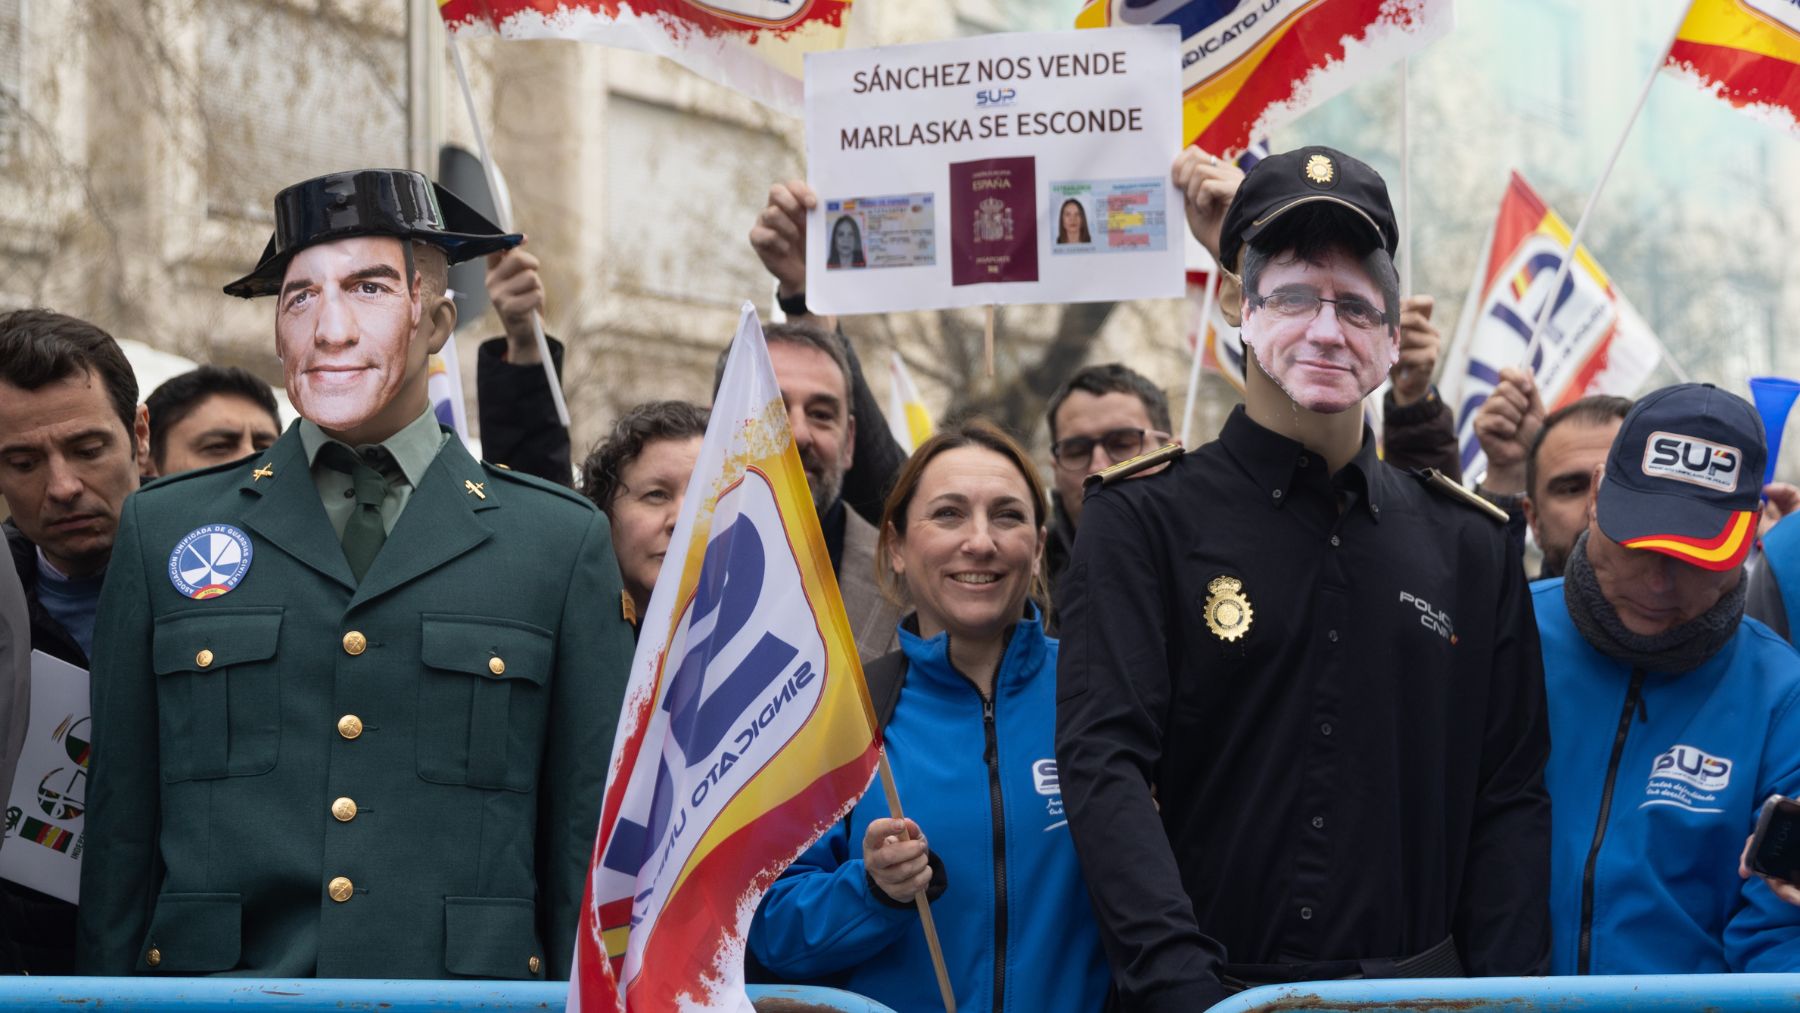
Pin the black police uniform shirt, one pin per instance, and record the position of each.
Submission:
(1357, 774)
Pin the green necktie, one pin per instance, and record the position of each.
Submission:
(363, 534)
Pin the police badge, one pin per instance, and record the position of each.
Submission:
(1228, 612)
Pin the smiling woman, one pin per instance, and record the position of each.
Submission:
(971, 743)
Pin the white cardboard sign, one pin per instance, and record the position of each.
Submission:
(47, 805)
(1005, 168)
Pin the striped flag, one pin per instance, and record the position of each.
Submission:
(1594, 343)
(1746, 52)
(1249, 67)
(755, 46)
(746, 731)
(908, 417)
(443, 385)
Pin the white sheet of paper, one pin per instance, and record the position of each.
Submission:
(45, 810)
(944, 170)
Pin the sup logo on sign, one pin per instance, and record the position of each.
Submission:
(209, 561)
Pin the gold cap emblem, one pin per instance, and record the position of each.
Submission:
(1320, 170)
(1228, 612)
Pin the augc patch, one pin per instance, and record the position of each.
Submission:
(209, 561)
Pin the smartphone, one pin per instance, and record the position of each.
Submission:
(1775, 849)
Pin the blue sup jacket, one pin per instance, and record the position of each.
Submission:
(1655, 781)
(980, 781)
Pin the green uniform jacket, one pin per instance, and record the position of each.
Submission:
(303, 776)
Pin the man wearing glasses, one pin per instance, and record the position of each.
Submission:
(1300, 710)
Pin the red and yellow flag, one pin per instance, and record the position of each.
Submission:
(1746, 52)
(755, 46)
(746, 731)
(1247, 68)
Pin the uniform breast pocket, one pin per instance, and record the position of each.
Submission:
(483, 698)
(218, 692)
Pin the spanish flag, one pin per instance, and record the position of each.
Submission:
(1746, 52)
(1251, 67)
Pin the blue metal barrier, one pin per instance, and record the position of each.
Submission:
(243, 995)
(1714, 993)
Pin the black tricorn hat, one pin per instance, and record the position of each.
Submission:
(369, 202)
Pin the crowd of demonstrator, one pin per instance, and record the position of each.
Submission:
(1176, 722)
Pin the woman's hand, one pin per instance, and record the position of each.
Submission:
(896, 858)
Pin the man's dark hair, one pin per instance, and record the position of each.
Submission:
(1111, 378)
(1310, 238)
(806, 336)
(638, 427)
(39, 347)
(178, 396)
(1593, 410)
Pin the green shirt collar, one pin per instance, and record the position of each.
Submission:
(413, 447)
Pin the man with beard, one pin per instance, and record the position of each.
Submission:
(1674, 716)
(1300, 708)
(353, 697)
(815, 379)
(1541, 467)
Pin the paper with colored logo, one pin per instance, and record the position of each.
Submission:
(47, 805)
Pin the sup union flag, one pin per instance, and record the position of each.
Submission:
(746, 730)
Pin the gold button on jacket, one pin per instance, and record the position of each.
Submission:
(340, 888)
(534, 964)
(204, 658)
(344, 809)
(350, 726)
(154, 957)
(355, 643)
(496, 666)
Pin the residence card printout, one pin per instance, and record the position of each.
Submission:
(1004, 168)
(47, 802)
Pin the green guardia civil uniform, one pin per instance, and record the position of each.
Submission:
(308, 774)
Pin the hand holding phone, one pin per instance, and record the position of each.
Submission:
(1773, 851)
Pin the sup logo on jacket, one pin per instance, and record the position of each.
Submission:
(1688, 778)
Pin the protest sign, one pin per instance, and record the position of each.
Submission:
(996, 169)
(47, 801)
(1594, 343)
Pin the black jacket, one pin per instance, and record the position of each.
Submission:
(37, 932)
(519, 427)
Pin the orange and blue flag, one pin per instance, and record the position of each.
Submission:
(1746, 52)
(746, 730)
(1249, 66)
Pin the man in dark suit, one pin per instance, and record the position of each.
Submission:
(354, 697)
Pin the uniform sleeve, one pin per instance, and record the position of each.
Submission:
(1112, 692)
(1763, 934)
(1502, 920)
(593, 661)
(519, 427)
(1421, 435)
(121, 870)
(820, 917)
(878, 457)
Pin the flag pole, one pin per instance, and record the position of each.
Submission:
(1406, 252)
(1193, 384)
(987, 341)
(1568, 260)
(931, 937)
(503, 211)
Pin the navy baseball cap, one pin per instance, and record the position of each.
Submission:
(1684, 476)
(1307, 179)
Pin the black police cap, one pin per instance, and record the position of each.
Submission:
(1302, 180)
(369, 202)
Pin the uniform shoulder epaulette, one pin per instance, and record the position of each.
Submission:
(1137, 465)
(502, 471)
(1439, 483)
(212, 469)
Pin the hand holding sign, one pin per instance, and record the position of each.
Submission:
(1209, 182)
(779, 235)
(517, 293)
(1419, 344)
